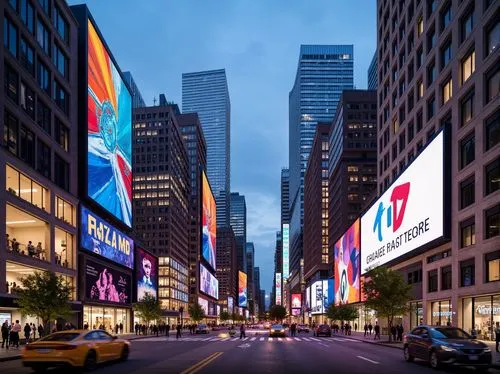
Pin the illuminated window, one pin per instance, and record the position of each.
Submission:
(468, 232)
(447, 91)
(27, 189)
(420, 25)
(64, 211)
(493, 266)
(468, 66)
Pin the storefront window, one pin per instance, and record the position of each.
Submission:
(467, 308)
(27, 189)
(416, 314)
(64, 248)
(107, 318)
(14, 274)
(70, 281)
(482, 317)
(442, 313)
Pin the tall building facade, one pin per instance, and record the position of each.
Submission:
(39, 146)
(352, 161)
(323, 71)
(238, 221)
(161, 192)
(438, 68)
(250, 254)
(256, 281)
(137, 100)
(207, 93)
(192, 134)
(372, 73)
(227, 266)
(285, 195)
(278, 264)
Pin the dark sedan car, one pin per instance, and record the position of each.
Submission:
(443, 345)
(324, 330)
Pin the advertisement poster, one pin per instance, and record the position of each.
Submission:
(242, 289)
(346, 252)
(296, 312)
(208, 283)
(296, 300)
(109, 149)
(204, 305)
(278, 288)
(106, 284)
(209, 225)
(230, 304)
(146, 273)
(317, 298)
(98, 236)
(409, 214)
(286, 250)
(308, 298)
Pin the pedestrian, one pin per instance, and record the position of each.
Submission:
(167, 330)
(6, 332)
(355, 327)
(179, 331)
(242, 331)
(400, 332)
(121, 328)
(16, 329)
(27, 332)
(393, 332)
(116, 329)
(40, 330)
(136, 328)
(370, 327)
(292, 329)
(155, 330)
(366, 329)
(377, 331)
(497, 336)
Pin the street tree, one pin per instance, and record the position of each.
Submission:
(45, 295)
(196, 312)
(148, 308)
(224, 316)
(277, 312)
(342, 312)
(387, 293)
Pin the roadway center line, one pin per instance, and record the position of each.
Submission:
(261, 339)
(367, 359)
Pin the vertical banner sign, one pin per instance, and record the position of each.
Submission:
(286, 250)
(278, 288)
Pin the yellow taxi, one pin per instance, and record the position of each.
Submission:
(75, 348)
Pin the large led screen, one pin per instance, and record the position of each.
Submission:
(209, 285)
(296, 312)
(346, 266)
(296, 300)
(308, 298)
(146, 270)
(317, 298)
(409, 214)
(204, 304)
(278, 288)
(106, 284)
(230, 304)
(209, 229)
(286, 250)
(109, 132)
(242, 289)
(98, 236)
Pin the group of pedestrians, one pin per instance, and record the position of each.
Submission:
(397, 333)
(11, 333)
(376, 330)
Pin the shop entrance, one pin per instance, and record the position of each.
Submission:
(107, 318)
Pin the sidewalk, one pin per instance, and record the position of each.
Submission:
(384, 340)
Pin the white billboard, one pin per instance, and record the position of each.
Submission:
(317, 298)
(278, 288)
(409, 214)
(286, 251)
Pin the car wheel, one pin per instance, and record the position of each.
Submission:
(90, 361)
(124, 354)
(39, 369)
(408, 356)
(434, 360)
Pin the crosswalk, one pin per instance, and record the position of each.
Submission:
(261, 339)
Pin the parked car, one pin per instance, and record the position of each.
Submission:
(202, 328)
(444, 345)
(324, 330)
(302, 328)
(74, 348)
(277, 330)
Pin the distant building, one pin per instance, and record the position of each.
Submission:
(250, 253)
(372, 73)
(137, 100)
(227, 267)
(278, 264)
(285, 195)
(256, 282)
(238, 221)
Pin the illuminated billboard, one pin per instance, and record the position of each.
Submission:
(204, 304)
(98, 236)
(146, 270)
(242, 289)
(209, 284)
(410, 213)
(296, 312)
(230, 304)
(319, 299)
(278, 288)
(346, 266)
(308, 298)
(209, 225)
(109, 132)
(286, 251)
(106, 284)
(296, 300)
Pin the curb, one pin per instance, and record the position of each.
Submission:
(10, 358)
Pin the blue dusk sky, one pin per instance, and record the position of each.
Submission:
(257, 42)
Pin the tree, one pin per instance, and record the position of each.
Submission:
(387, 293)
(224, 316)
(234, 317)
(277, 312)
(342, 312)
(45, 295)
(196, 312)
(148, 308)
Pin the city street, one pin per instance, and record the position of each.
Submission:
(218, 353)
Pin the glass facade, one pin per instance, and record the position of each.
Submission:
(104, 317)
(173, 284)
(481, 314)
(238, 221)
(441, 312)
(416, 314)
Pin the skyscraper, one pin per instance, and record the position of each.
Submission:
(238, 221)
(372, 73)
(250, 254)
(285, 195)
(323, 71)
(137, 100)
(206, 93)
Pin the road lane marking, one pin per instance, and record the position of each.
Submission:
(252, 339)
(214, 339)
(270, 340)
(316, 340)
(288, 339)
(298, 339)
(367, 359)
(323, 344)
(234, 339)
(279, 339)
(201, 364)
(306, 339)
(261, 339)
(244, 339)
(225, 339)
(205, 340)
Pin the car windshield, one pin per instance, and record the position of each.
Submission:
(202, 326)
(277, 326)
(449, 333)
(61, 337)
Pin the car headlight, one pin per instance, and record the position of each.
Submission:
(487, 350)
(447, 349)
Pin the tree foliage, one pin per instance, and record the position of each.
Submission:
(387, 293)
(148, 308)
(277, 312)
(196, 312)
(45, 295)
(224, 316)
(342, 312)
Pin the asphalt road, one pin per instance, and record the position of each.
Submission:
(216, 353)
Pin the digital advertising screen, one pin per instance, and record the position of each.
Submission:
(308, 298)
(331, 291)
(209, 284)
(204, 305)
(410, 213)
(317, 298)
(106, 284)
(242, 289)
(98, 236)
(278, 289)
(346, 253)
(146, 271)
(230, 304)
(209, 223)
(286, 250)
(296, 300)
(296, 312)
(326, 292)
(109, 132)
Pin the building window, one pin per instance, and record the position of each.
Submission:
(60, 61)
(61, 97)
(492, 130)
(45, 4)
(43, 116)
(431, 73)
(60, 24)
(467, 150)
(61, 134)
(64, 211)
(431, 107)
(493, 266)
(492, 175)
(28, 100)
(420, 121)
(27, 146)
(420, 57)
(468, 66)
(27, 15)
(420, 25)
(10, 129)
(467, 191)
(43, 77)
(447, 90)
(493, 37)
(492, 222)
(27, 57)
(43, 37)
(467, 270)
(431, 39)
(411, 132)
(420, 89)
(11, 84)
(26, 188)
(446, 54)
(61, 172)
(446, 278)
(446, 16)
(10, 36)
(468, 232)
(466, 25)
(43, 163)
(432, 280)
(493, 84)
(467, 108)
